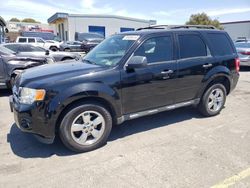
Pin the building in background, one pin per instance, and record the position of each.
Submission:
(66, 25)
(237, 29)
(2, 30)
(16, 28)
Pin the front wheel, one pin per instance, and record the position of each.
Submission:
(213, 100)
(85, 127)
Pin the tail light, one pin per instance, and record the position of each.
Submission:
(245, 53)
(237, 64)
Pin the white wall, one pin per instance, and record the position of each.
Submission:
(236, 30)
(112, 25)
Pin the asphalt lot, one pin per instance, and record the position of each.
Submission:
(171, 149)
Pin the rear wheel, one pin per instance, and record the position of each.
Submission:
(53, 48)
(85, 127)
(213, 100)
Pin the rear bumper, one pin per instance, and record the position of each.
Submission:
(234, 81)
(244, 62)
(27, 120)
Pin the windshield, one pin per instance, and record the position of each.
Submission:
(5, 51)
(242, 45)
(111, 50)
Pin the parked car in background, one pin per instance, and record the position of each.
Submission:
(241, 39)
(89, 40)
(243, 49)
(71, 46)
(36, 51)
(81, 101)
(11, 65)
(43, 35)
(36, 41)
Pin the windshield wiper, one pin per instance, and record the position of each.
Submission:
(89, 61)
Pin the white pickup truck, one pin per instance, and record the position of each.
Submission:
(47, 44)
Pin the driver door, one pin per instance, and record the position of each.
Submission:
(152, 86)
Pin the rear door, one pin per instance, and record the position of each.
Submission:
(194, 62)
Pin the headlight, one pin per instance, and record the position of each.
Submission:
(50, 60)
(28, 95)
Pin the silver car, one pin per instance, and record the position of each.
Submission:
(243, 49)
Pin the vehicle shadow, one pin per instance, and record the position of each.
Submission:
(244, 68)
(26, 146)
(5, 92)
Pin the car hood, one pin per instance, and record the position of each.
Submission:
(57, 56)
(22, 58)
(31, 54)
(58, 72)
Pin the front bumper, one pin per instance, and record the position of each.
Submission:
(28, 119)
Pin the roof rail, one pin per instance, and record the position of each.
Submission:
(178, 27)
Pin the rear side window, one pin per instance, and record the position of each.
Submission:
(30, 40)
(220, 43)
(22, 40)
(191, 46)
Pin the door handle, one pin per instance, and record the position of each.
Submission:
(207, 65)
(167, 72)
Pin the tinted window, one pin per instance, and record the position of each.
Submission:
(220, 44)
(30, 48)
(5, 51)
(31, 40)
(156, 49)
(39, 40)
(12, 47)
(22, 40)
(191, 46)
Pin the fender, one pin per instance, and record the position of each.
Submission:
(218, 71)
(17, 71)
(81, 91)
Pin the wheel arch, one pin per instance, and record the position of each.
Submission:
(86, 100)
(217, 78)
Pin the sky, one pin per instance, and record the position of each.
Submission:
(164, 11)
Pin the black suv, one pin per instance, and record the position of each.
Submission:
(128, 75)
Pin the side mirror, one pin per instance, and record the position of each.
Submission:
(137, 62)
(6, 30)
(47, 52)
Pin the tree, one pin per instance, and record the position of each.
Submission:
(14, 20)
(30, 20)
(203, 19)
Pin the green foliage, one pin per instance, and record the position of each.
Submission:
(30, 20)
(203, 19)
(14, 20)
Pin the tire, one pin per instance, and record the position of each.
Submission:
(73, 137)
(53, 48)
(67, 58)
(210, 105)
